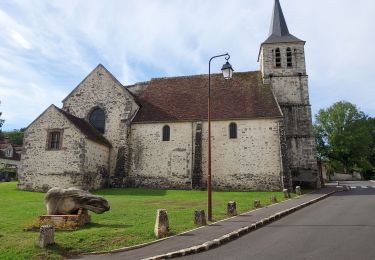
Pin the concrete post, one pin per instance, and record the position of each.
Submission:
(46, 236)
(199, 217)
(286, 193)
(257, 204)
(161, 223)
(232, 208)
(298, 190)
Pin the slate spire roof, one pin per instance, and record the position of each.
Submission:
(279, 30)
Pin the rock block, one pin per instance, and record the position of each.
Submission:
(199, 217)
(273, 199)
(257, 204)
(298, 190)
(232, 208)
(46, 236)
(161, 223)
(286, 193)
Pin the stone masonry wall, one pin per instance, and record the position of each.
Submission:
(250, 162)
(161, 164)
(95, 166)
(8, 163)
(290, 87)
(42, 169)
(101, 89)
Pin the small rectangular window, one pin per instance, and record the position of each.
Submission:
(166, 133)
(233, 131)
(54, 140)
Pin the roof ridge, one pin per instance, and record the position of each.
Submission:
(201, 75)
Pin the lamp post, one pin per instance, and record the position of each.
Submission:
(227, 71)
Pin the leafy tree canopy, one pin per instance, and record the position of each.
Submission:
(15, 136)
(344, 137)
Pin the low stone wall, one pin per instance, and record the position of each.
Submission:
(345, 177)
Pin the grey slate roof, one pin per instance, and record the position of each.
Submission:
(279, 30)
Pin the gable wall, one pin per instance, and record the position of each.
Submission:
(100, 89)
(42, 169)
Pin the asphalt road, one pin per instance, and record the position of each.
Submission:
(339, 227)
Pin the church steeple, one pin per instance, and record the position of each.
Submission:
(279, 30)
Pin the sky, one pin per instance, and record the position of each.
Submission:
(48, 47)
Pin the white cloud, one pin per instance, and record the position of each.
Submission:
(20, 40)
(48, 47)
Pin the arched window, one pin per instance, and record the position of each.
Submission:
(277, 58)
(166, 133)
(233, 131)
(97, 119)
(289, 57)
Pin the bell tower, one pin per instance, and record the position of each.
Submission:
(282, 63)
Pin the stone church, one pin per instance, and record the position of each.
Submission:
(154, 133)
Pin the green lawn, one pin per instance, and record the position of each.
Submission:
(130, 221)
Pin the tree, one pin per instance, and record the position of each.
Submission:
(1, 125)
(343, 137)
(15, 136)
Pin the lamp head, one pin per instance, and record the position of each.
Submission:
(227, 70)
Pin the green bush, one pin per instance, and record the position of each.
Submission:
(8, 174)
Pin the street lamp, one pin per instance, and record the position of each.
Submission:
(227, 71)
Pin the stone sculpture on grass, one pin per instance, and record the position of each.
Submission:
(69, 201)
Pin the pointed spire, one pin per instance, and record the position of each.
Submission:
(279, 30)
(278, 23)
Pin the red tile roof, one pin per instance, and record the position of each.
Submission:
(185, 98)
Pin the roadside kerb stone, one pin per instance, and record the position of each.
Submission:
(257, 204)
(161, 223)
(232, 208)
(46, 236)
(273, 199)
(286, 193)
(236, 234)
(199, 217)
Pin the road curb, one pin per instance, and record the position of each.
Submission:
(237, 233)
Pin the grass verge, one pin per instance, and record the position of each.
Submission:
(129, 222)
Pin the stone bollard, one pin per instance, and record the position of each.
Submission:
(273, 199)
(286, 193)
(199, 217)
(257, 204)
(231, 208)
(298, 190)
(46, 236)
(161, 223)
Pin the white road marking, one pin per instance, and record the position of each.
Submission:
(364, 187)
(353, 187)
